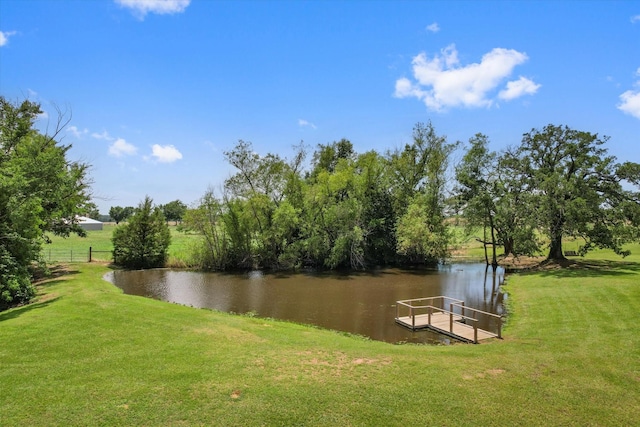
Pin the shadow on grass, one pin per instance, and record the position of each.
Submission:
(585, 268)
(42, 276)
(41, 283)
(19, 311)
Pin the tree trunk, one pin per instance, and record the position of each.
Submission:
(484, 244)
(555, 249)
(508, 246)
(494, 260)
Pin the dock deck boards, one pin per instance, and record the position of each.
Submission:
(440, 323)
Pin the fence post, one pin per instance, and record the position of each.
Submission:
(90, 250)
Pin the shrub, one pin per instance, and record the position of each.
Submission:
(15, 286)
(143, 241)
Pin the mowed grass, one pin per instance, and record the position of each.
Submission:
(85, 354)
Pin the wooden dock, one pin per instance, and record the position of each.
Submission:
(459, 322)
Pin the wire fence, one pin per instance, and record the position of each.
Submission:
(79, 254)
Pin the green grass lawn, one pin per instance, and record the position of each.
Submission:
(85, 354)
(76, 249)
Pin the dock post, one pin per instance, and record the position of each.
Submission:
(451, 321)
(451, 317)
(413, 318)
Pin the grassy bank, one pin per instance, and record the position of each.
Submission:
(85, 354)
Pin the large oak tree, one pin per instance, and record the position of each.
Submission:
(577, 189)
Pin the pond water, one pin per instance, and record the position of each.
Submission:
(358, 303)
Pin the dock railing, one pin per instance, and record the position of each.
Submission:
(476, 313)
(420, 305)
(408, 310)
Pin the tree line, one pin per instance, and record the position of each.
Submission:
(344, 210)
(172, 211)
(348, 210)
(360, 210)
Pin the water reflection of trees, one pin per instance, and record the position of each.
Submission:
(359, 303)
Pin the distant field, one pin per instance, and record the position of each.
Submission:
(76, 249)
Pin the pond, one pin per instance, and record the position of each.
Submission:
(361, 303)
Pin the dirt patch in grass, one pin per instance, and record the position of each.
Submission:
(42, 276)
(524, 263)
(338, 360)
(511, 263)
(480, 375)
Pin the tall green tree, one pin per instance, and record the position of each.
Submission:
(40, 191)
(253, 197)
(174, 211)
(327, 156)
(576, 189)
(144, 240)
(477, 191)
(119, 214)
(514, 203)
(378, 222)
(207, 219)
(334, 228)
(420, 175)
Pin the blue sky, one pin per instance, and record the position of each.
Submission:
(159, 89)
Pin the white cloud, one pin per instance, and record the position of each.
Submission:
(166, 153)
(630, 100)
(441, 82)
(302, 122)
(104, 136)
(122, 148)
(518, 88)
(434, 28)
(630, 103)
(77, 132)
(161, 7)
(635, 19)
(4, 37)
